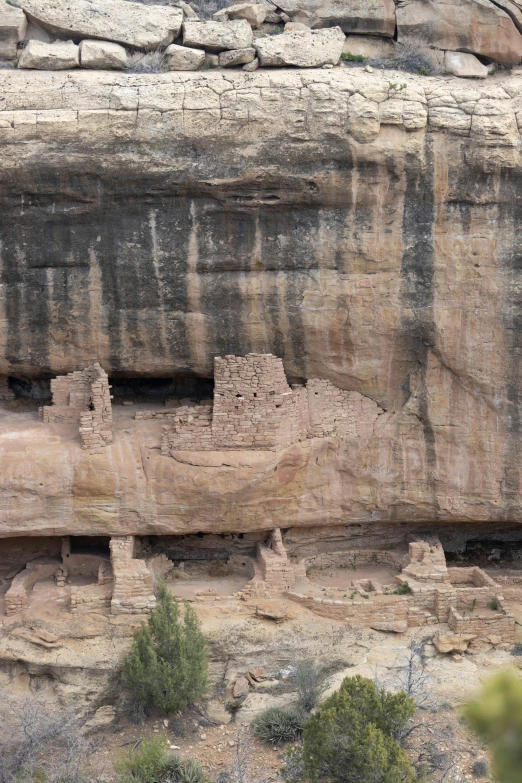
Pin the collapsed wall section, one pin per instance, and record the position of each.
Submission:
(83, 397)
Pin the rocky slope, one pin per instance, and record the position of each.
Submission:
(363, 226)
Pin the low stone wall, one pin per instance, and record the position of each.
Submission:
(354, 558)
(382, 612)
(90, 598)
(17, 597)
(473, 574)
(501, 624)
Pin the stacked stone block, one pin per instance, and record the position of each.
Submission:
(17, 597)
(84, 397)
(133, 590)
(336, 412)
(96, 423)
(255, 408)
(90, 598)
(192, 430)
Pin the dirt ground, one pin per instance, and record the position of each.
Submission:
(344, 578)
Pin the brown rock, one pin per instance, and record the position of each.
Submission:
(259, 674)
(391, 626)
(241, 688)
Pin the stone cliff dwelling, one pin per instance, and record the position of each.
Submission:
(389, 590)
(386, 588)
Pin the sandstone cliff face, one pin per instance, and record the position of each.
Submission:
(364, 227)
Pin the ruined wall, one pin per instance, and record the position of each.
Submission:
(83, 396)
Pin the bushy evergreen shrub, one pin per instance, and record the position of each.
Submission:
(353, 737)
(167, 666)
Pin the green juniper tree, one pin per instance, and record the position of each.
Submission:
(353, 737)
(167, 665)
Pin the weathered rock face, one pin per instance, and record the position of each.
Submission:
(365, 17)
(365, 234)
(476, 26)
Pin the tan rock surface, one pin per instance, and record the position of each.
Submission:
(102, 54)
(374, 17)
(145, 26)
(57, 56)
(304, 48)
(217, 36)
(477, 26)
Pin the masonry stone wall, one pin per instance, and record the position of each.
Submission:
(17, 597)
(83, 397)
(255, 408)
(501, 624)
(90, 598)
(133, 587)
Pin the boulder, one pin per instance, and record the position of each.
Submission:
(218, 36)
(102, 54)
(259, 674)
(183, 58)
(57, 56)
(368, 46)
(254, 13)
(236, 57)
(135, 24)
(476, 26)
(453, 642)
(13, 24)
(365, 17)
(309, 49)
(241, 688)
(272, 610)
(466, 65)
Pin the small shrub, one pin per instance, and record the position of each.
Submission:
(150, 763)
(480, 768)
(279, 724)
(493, 604)
(403, 589)
(147, 62)
(308, 680)
(413, 54)
(191, 771)
(347, 57)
